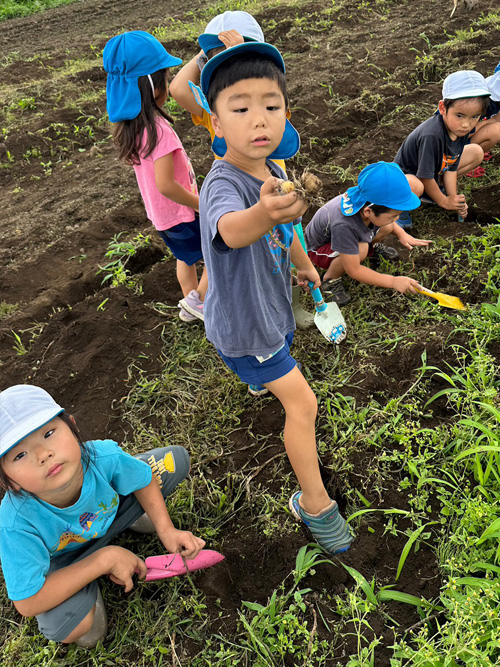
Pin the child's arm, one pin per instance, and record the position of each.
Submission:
(120, 564)
(305, 268)
(174, 541)
(239, 229)
(451, 201)
(180, 90)
(169, 187)
(363, 274)
(406, 239)
(179, 86)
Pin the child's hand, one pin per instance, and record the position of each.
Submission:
(403, 284)
(410, 242)
(280, 208)
(183, 542)
(230, 38)
(124, 564)
(306, 275)
(455, 203)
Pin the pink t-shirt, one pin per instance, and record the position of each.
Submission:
(162, 211)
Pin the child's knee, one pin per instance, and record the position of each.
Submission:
(474, 153)
(416, 185)
(305, 405)
(82, 628)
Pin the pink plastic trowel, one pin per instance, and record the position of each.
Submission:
(174, 565)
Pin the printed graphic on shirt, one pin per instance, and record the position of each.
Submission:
(279, 240)
(448, 161)
(191, 174)
(165, 465)
(87, 521)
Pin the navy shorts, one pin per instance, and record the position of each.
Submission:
(170, 466)
(184, 240)
(251, 371)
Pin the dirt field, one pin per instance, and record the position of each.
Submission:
(361, 75)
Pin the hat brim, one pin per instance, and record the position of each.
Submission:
(209, 41)
(27, 427)
(470, 92)
(248, 47)
(356, 200)
(288, 147)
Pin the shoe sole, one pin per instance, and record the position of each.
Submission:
(187, 317)
(192, 311)
(261, 392)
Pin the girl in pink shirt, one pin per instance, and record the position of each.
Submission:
(137, 88)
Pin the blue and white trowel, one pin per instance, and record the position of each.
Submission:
(328, 317)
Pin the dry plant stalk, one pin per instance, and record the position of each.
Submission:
(307, 186)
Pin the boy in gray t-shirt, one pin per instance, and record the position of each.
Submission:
(248, 240)
(350, 227)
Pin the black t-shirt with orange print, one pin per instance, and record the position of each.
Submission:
(429, 151)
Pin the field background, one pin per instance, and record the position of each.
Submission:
(408, 405)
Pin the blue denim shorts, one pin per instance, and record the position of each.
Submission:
(251, 371)
(184, 240)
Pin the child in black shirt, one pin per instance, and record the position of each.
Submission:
(440, 149)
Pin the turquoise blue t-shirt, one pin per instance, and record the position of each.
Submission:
(32, 532)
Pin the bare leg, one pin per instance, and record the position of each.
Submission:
(203, 284)
(471, 157)
(416, 185)
(301, 408)
(82, 628)
(486, 135)
(336, 268)
(187, 277)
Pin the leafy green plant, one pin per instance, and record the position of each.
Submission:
(119, 253)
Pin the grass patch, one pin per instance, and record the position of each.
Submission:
(15, 8)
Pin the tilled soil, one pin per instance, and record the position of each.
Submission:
(56, 222)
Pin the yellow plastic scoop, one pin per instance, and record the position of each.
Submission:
(443, 299)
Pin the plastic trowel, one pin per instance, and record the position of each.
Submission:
(174, 565)
(328, 317)
(443, 299)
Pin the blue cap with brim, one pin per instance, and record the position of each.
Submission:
(24, 409)
(382, 183)
(243, 22)
(290, 142)
(126, 57)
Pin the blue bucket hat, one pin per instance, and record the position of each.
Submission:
(290, 142)
(24, 408)
(243, 22)
(125, 58)
(382, 183)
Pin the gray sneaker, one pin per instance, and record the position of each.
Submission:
(334, 291)
(384, 251)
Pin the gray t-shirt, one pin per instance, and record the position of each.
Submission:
(248, 304)
(429, 150)
(342, 232)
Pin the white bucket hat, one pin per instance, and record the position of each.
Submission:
(24, 408)
(465, 83)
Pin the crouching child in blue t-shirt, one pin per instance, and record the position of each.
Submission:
(248, 240)
(65, 500)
